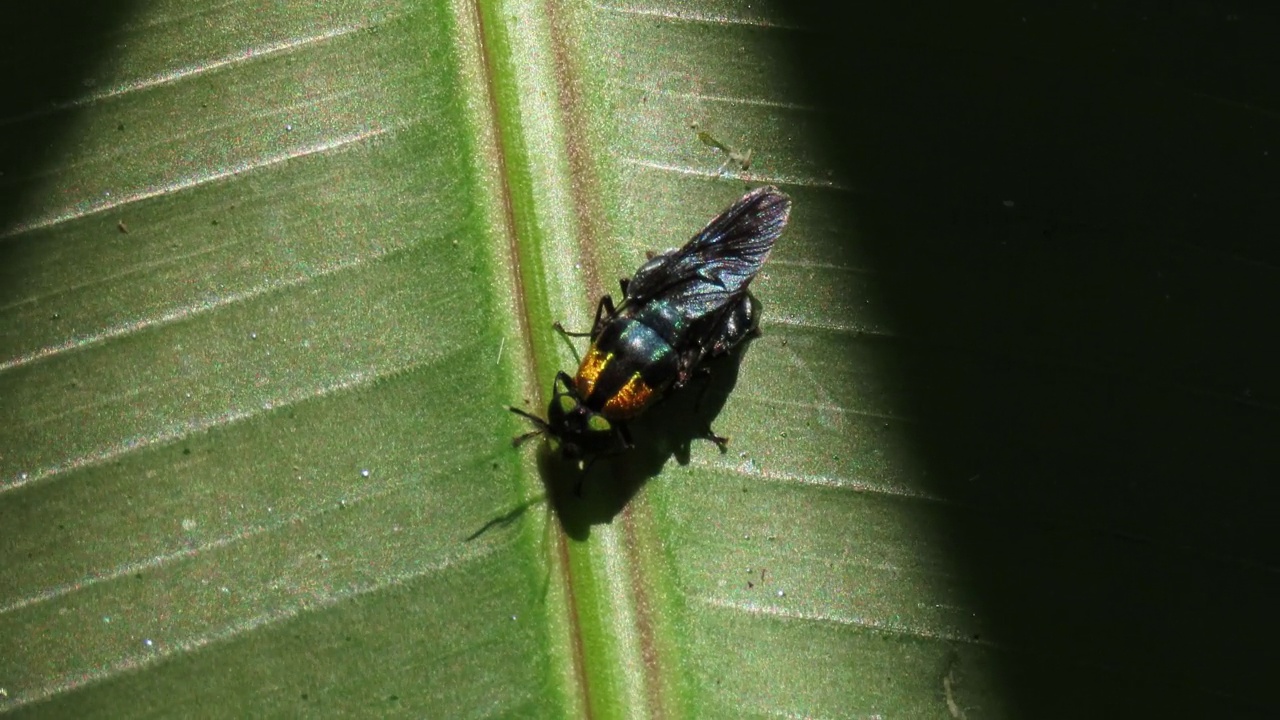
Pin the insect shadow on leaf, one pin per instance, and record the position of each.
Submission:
(507, 518)
(596, 493)
(585, 494)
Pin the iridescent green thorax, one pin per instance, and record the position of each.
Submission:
(629, 364)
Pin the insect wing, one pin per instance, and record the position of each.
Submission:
(718, 262)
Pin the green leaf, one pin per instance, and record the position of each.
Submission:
(270, 273)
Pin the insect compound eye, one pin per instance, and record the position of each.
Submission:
(567, 403)
(599, 423)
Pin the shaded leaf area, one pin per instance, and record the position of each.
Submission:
(1079, 251)
(1005, 447)
(252, 357)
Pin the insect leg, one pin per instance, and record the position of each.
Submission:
(720, 441)
(604, 309)
(688, 364)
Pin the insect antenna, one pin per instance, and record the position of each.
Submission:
(542, 427)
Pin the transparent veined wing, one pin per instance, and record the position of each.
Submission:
(719, 262)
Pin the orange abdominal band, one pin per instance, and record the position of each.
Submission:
(630, 399)
(590, 370)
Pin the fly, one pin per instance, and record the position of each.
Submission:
(681, 308)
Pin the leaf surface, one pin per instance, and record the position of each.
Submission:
(270, 273)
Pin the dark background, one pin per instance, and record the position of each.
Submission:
(47, 51)
(1074, 206)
